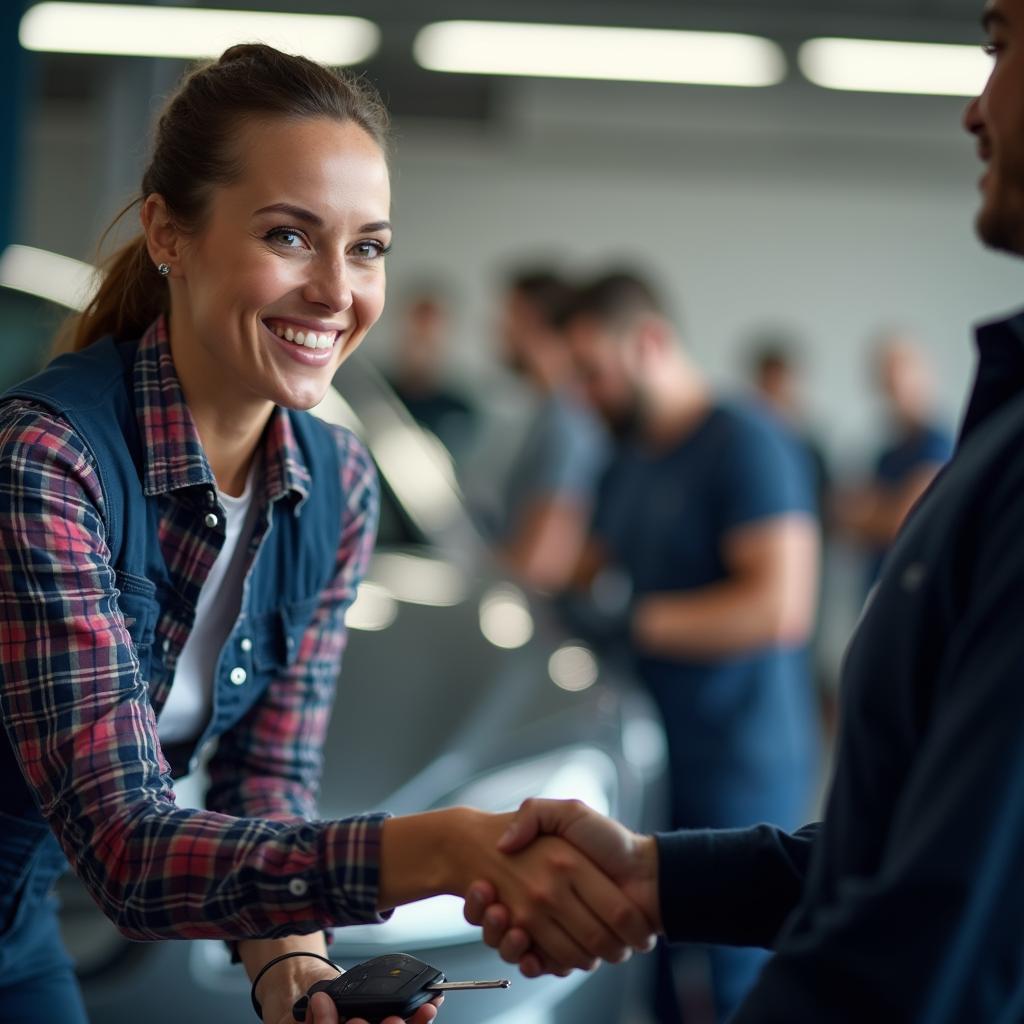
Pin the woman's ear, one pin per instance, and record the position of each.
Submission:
(163, 237)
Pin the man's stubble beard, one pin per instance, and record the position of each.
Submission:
(1000, 221)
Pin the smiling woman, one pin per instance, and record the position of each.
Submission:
(179, 543)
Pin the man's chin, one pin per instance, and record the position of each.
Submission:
(1000, 230)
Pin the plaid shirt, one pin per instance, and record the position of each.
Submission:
(82, 723)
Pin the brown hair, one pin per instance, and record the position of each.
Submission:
(193, 151)
(616, 299)
(548, 294)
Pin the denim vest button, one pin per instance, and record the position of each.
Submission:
(211, 519)
(166, 645)
(298, 887)
(246, 644)
(238, 675)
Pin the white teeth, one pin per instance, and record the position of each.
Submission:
(308, 339)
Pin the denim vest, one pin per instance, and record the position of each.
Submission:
(93, 391)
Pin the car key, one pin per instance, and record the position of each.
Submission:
(392, 985)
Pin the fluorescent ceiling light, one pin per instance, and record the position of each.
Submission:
(59, 279)
(594, 52)
(872, 65)
(190, 32)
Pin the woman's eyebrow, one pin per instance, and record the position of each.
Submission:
(301, 213)
(298, 212)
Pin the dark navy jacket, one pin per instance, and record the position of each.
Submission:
(906, 903)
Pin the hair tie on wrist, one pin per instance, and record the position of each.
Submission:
(277, 959)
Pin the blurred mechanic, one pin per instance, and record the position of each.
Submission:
(549, 493)
(917, 449)
(777, 372)
(708, 509)
(418, 372)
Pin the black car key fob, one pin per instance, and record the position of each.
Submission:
(395, 985)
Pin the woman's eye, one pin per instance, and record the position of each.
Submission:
(287, 237)
(371, 249)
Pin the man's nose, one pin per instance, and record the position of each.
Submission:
(972, 120)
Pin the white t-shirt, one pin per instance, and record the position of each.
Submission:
(190, 701)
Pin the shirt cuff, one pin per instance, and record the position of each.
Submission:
(703, 883)
(350, 859)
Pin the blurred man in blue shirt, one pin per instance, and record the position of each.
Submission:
(549, 492)
(709, 510)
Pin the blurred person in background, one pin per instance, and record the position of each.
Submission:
(708, 510)
(417, 374)
(550, 488)
(918, 448)
(777, 375)
(776, 372)
(906, 902)
(159, 589)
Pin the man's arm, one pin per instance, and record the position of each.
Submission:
(874, 514)
(767, 599)
(547, 545)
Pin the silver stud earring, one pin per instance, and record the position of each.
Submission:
(163, 269)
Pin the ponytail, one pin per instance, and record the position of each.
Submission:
(131, 295)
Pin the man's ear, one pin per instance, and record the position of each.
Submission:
(164, 239)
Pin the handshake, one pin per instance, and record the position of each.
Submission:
(555, 885)
(586, 889)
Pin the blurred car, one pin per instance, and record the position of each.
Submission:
(457, 688)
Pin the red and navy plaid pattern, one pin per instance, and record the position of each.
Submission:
(82, 721)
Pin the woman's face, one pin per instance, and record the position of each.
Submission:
(286, 274)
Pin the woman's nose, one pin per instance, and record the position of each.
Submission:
(329, 286)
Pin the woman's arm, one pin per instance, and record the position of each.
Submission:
(81, 726)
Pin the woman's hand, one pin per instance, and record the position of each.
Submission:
(323, 1011)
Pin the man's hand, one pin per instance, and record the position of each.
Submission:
(628, 859)
(323, 1011)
